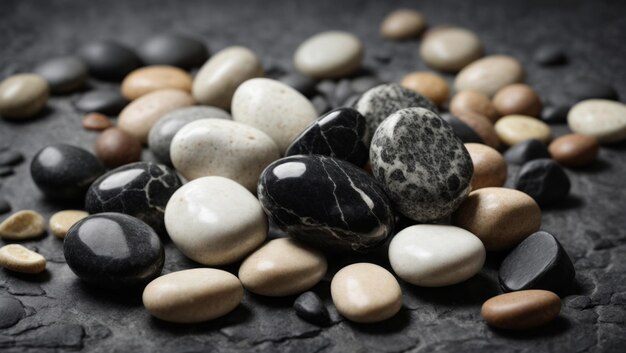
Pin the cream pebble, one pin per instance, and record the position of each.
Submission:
(153, 78)
(62, 221)
(23, 96)
(513, 129)
(489, 74)
(450, 48)
(490, 168)
(331, 54)
(22, 225)
(603, 119)
(15, 257)
(402, 24)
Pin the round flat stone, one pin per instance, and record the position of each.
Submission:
(104, 101)
(521, 310)
(402, 24)
(61, 222)
(64, 75)
(490, 168)
(574, 150)
(331, 54)
(474, 102)
(16, 258)
(11, 311)
(114, 251)
(513, 129)
(603, 119)
(309, 307)
(450, 48)
(115, 148)
(108, 60)
(428, 84)
(153, 78)
(544, 180)
(518, 98)
(461, 129)
(489, 74)
(173, 49)
(421, 164)
(23, 96)
(96, 121)
(525, 151)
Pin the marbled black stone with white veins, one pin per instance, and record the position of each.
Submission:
(326, 202)
(421, 163)
(140, 189)
(338, 134)
(377, 103)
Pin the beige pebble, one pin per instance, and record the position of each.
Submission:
(364, 292)
(518, 98)
(153, 78)
(488, 75)
(601, 118)
(62, 221)
(330, 54)
(474, 102)
(482, 126)
(512, 129)
(428, 84)
(450, 48)
(282, 267)
(500, 217)
(15, 257)
(574, 150)
(140, 115)
(521, 310)
(490, 168)
(195, 295)
(23, 96)
(402, 24)
(22, 225)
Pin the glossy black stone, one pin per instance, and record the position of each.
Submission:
(579, 88)
(140, 189)
(525, 151)
(173, 49)
(555, 114)
(11, 311)
(544, 180)
(64, 172)
(326, 202)
(461, 129)
(114, 250)
(301, 83)
(10, 157)
(105, 101)
(538, 262)
(64, 75)
(550, 55)
(309, 307)
(108, 60)
(337, 134)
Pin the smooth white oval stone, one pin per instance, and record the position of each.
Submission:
(601, 118)
(331, 54)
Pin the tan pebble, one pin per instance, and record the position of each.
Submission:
(17, 258)
(365, 292)
(450, 48)
(428, 84)
(402, 24)
(500, 217)
(153, 78)
(482, 126)
(475, 102)
(62, 221)
(574, 150)
(521, 310)
(115, 147)
(96, 121)
(282, 267)
(490, 168)
(518, 98)
(512, 129)
(488, 75)
(195, 295)
(22, 225)
(23, 96)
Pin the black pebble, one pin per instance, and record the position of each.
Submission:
(580, 88)
(538, 262)
(6, 171)
(525, 151)
(175, 50)
(105, 101)
(10, 157)
(108, 60)
(299, 82)
(309, 307)
(544, 180)
(555, 114)
(65, 74)
(5, 206)
(462, 130)
(11, 311)
(550, 55)
(321, 104)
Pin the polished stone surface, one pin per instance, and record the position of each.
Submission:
(109, 60)
(173, 49)
(105, 101)
(544, 180)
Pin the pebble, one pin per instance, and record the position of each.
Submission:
(22, 96)
(61, 222)
(338, 134)
(115, 148)
(241, 152)
(139, 116)
(96, 121)
(104, 101)
(113, 251)
(162, 133)
(377, 103)
(10, 157)
(366, 293)
(64, 172)
(500, 217)
(574, 150)
(539, 262)
(521, 310)
(555, 114)
(16, 258)
(5, 171)
(490, 168)
(518, 98)
(173, 49)
(489, 74)
(282, 267)
(5, 206)
(474, 102)
(342, 207)
(550, 55)
(579, 88)
(64, 74)
(12, 311)
(274, 108)
(525, 151)
(301, 83)
(22, 225)
(310, 308)
(512, 129)
(220, 76)
(428, 84)
(153, 78)
(331, 54)
(108, 60)
(402, 24)
(421, 164)
(191, 296)
(432, 255)
(450, 48)
(544, 180)
(215, 221)
(140, 189)
(603, 119)
(482, 126)
(461, 129)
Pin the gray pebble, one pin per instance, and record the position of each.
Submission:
(65, 74)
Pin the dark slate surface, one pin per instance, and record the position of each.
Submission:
(63, 315)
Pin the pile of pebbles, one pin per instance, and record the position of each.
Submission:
(339, 160)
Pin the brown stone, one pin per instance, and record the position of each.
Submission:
(153, 78)
(482, 126)
(574, 150)
(518, 98)
(428, 84)
(490, 168)
(521, 310)
(474, 102)
(96, 121)
(115, 148)
(402, 24)
(15, 257)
